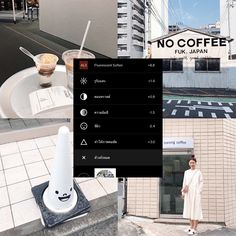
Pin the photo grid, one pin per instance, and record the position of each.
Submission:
(117, 117)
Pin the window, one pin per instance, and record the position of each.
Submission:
(207, 64)
(172, 65)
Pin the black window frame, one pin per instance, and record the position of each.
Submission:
(171, 65)
(208, 67)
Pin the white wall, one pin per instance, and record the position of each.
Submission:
(68, 20)
(161, 7)
(191, 79)
(224, 22)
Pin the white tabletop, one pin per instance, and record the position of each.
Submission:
(14, 94)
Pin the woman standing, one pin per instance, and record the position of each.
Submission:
(191, 193)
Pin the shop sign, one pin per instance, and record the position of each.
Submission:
(177, 143)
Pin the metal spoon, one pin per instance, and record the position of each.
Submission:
(29, 54)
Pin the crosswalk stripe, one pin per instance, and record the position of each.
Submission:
(186, 113)
(179, 101)
(188, 102)
(200, 114)
(220, 104)
(213, 115)
(227, 116)
(174, 112)
(209, 103)
(230, 103)
(169, 101)
(199, 103)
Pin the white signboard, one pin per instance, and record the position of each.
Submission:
(177, 143)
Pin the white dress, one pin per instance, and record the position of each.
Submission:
(192, 199)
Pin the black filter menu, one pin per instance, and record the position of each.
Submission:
(118, 117)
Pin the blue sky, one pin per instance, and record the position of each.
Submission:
(194, 13)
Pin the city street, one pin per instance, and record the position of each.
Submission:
(183, 108)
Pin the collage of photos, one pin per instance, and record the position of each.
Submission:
(196, 43)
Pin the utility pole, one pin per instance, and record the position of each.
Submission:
(230, 4)
(146, 27)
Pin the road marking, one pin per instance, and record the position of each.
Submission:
(188, 102)
(220, 104)
(174, 112)
(199, 103)
(200, 114)
(179, 101)
(227, 116)
(230, 103)
(169, 101)
(213, 115)
(209, 103)
(186, 113)
(194, 107)
(163, 110)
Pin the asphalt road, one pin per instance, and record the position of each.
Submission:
(198, 109)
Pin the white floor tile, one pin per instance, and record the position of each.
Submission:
(48, 152)
(24, 212)
(31, 156)
(0, 164)
(39, 180)
(4, 201)
(7, 223)
(9, 148)
(2, 179)
(27, 145)
(92, 189)
(49, 164)
(43, 142)
(54, 139)
(36, 169)
(15, 175)
(12, 160)
(83, 179)
(109, 184)
(20, 192)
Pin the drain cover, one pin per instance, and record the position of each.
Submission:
(51, 218)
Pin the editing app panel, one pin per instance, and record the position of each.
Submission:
(118, 116)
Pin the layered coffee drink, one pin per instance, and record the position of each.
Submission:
(68, 58)
(46, 64)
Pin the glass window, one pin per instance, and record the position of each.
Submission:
(174, 166)
(213, 64)
(207, 64)
(172, 64)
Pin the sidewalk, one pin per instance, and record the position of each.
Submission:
(201, 92)
(27, 163)
(137, 226)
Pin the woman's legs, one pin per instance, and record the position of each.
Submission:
(191, 224)
(195, 224)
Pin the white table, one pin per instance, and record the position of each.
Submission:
(14, 94)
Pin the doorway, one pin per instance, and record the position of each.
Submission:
(174, 165)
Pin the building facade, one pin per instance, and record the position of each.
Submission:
(227, 22)
(138, 22)
(194, 59)
(213, 143)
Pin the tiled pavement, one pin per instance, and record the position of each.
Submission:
(25, 164)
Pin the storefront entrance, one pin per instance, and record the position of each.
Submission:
(174, 165)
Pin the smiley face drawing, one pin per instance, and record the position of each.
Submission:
(65, 196)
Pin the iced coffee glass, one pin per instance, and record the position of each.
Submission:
(68, 57)
(46, 64)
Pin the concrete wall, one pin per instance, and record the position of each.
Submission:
(189, 78)
(68, 20)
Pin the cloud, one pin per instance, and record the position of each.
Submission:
(196, 3)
